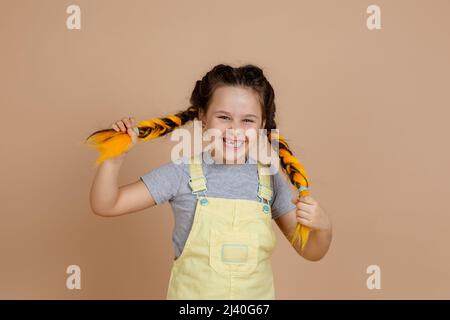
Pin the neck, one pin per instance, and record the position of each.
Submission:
(222, 161)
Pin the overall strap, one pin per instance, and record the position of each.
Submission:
(197, 180)
(264, 188)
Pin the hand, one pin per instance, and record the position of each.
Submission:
(310, 214)
(127, 125)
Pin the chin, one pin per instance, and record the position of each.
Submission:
(234, 156)
(235, 151)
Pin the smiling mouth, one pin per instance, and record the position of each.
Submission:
(232, 143)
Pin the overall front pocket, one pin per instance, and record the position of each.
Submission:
(233, 252)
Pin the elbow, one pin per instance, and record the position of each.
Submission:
(99, 211)
(107, 213)
(314, 258)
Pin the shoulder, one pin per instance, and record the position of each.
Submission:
(278, 179)
(165, 180)
(282, 194)
(174, 170)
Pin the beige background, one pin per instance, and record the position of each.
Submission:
(365, 111)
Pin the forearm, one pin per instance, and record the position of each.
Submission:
(105, 188)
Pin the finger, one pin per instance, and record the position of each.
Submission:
(307, 199)
(121, 125)
(115, 127)
(133, 121)
(305, 207)
(132, 134)
(304, 215)
(294, 200)
(304, 222)
(130, 122)
(127, 122)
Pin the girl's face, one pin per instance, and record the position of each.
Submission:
(235, 116)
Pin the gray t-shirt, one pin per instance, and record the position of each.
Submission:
(170, 182)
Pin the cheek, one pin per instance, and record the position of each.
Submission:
(214, 131)
(216, 124)
(252, 133)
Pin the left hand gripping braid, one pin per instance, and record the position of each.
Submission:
(301, 231)
(298, 178)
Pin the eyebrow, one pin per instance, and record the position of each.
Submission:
(245, 116)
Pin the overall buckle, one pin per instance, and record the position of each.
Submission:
(191, 180)
(266, 204)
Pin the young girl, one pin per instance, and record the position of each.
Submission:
(223, 236)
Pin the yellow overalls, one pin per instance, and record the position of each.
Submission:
(227, 253)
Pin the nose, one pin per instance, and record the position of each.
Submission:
(235, 125)
(235, 131)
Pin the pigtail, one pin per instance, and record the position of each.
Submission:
(111, 143)
(298, 178)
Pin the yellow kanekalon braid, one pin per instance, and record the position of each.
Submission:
(297, 175)
(111, 143)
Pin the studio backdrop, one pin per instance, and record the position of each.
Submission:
(362, 95)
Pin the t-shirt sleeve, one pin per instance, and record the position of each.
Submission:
(163, 182)
(282, 196)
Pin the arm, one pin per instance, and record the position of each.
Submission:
(321, 230)
(107, 199)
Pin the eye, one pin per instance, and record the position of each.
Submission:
(248, 120)
(223, 117)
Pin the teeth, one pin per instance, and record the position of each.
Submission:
(234, 143)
